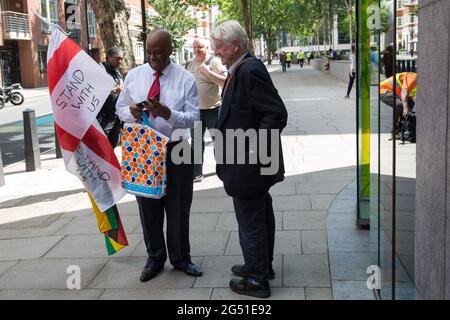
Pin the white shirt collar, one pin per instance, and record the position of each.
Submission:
(234, 65)
(166, 70)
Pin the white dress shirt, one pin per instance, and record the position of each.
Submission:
(178, 92)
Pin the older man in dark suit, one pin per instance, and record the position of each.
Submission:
(250, 103)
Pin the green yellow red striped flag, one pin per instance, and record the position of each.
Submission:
(110, 225)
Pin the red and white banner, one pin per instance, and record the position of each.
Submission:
(78, 88)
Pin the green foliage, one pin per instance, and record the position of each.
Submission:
(173, 15)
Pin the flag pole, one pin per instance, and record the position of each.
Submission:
(47, 21)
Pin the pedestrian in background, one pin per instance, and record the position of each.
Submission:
(210, 75)
(301, 58)
(352, 71)
(283, 61)
(107, 117)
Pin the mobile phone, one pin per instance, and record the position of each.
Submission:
(141, 104)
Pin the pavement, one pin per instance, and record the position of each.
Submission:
(47, 226)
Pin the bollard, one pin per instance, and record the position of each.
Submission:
(32, 152)
(2, 177)
(57, 146)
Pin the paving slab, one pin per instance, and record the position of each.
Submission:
(321, 201)
(276, 294)
(349, 266)
(90, 246)
(5, 265)
(205, 243)
(319, 294)
(342, 221)
(314, 241)
(217, 271)
(347, 240)
(49, 273)
(89, 226)
(157, 294)
(304, 220)
(351, 290)
(306, 271)
(28, 248)
(34, 294)
(297, 202)
(203, 221)
(124, 273)
(34, 232)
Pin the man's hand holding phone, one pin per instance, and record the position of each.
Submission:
(156, 108)
(136, 109)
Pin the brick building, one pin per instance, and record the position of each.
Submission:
(24, 38)
(407, 26)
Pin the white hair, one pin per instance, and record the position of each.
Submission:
(230, 31)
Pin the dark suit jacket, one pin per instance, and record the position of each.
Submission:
(250, 102)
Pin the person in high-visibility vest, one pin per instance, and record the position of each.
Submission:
(406, 90)
(301, 58)
(288, 59)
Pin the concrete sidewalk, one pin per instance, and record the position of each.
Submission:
(46, 224)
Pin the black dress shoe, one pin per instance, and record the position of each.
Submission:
(150, 272)
(191, 270)
(240, 271)
(251, 287)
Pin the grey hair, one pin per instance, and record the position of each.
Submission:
(230, 31)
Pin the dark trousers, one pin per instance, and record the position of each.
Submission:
(112, 127)
(283, 66)
(301, 62)
(256, 223)
(350, 84)
(209, 119)
(177, 204)
(388, 98)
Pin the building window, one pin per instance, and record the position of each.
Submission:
(138, 49)
(43, 60)
(49, 10)
(91, 23)
(135, 14)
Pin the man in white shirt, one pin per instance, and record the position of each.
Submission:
(210, 75)
(169, 95)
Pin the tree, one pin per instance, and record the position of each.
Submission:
(268, 18)
(349, 6)
(247, 23)
(112, 17)
(173, 15)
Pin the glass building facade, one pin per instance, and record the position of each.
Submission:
(386, 175)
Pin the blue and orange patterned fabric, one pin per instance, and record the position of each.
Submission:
(144, 160)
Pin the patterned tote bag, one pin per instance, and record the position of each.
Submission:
(144, 159)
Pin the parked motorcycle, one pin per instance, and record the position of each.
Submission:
(7, 94)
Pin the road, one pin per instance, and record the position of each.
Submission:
(11, 127)
(12, 113)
